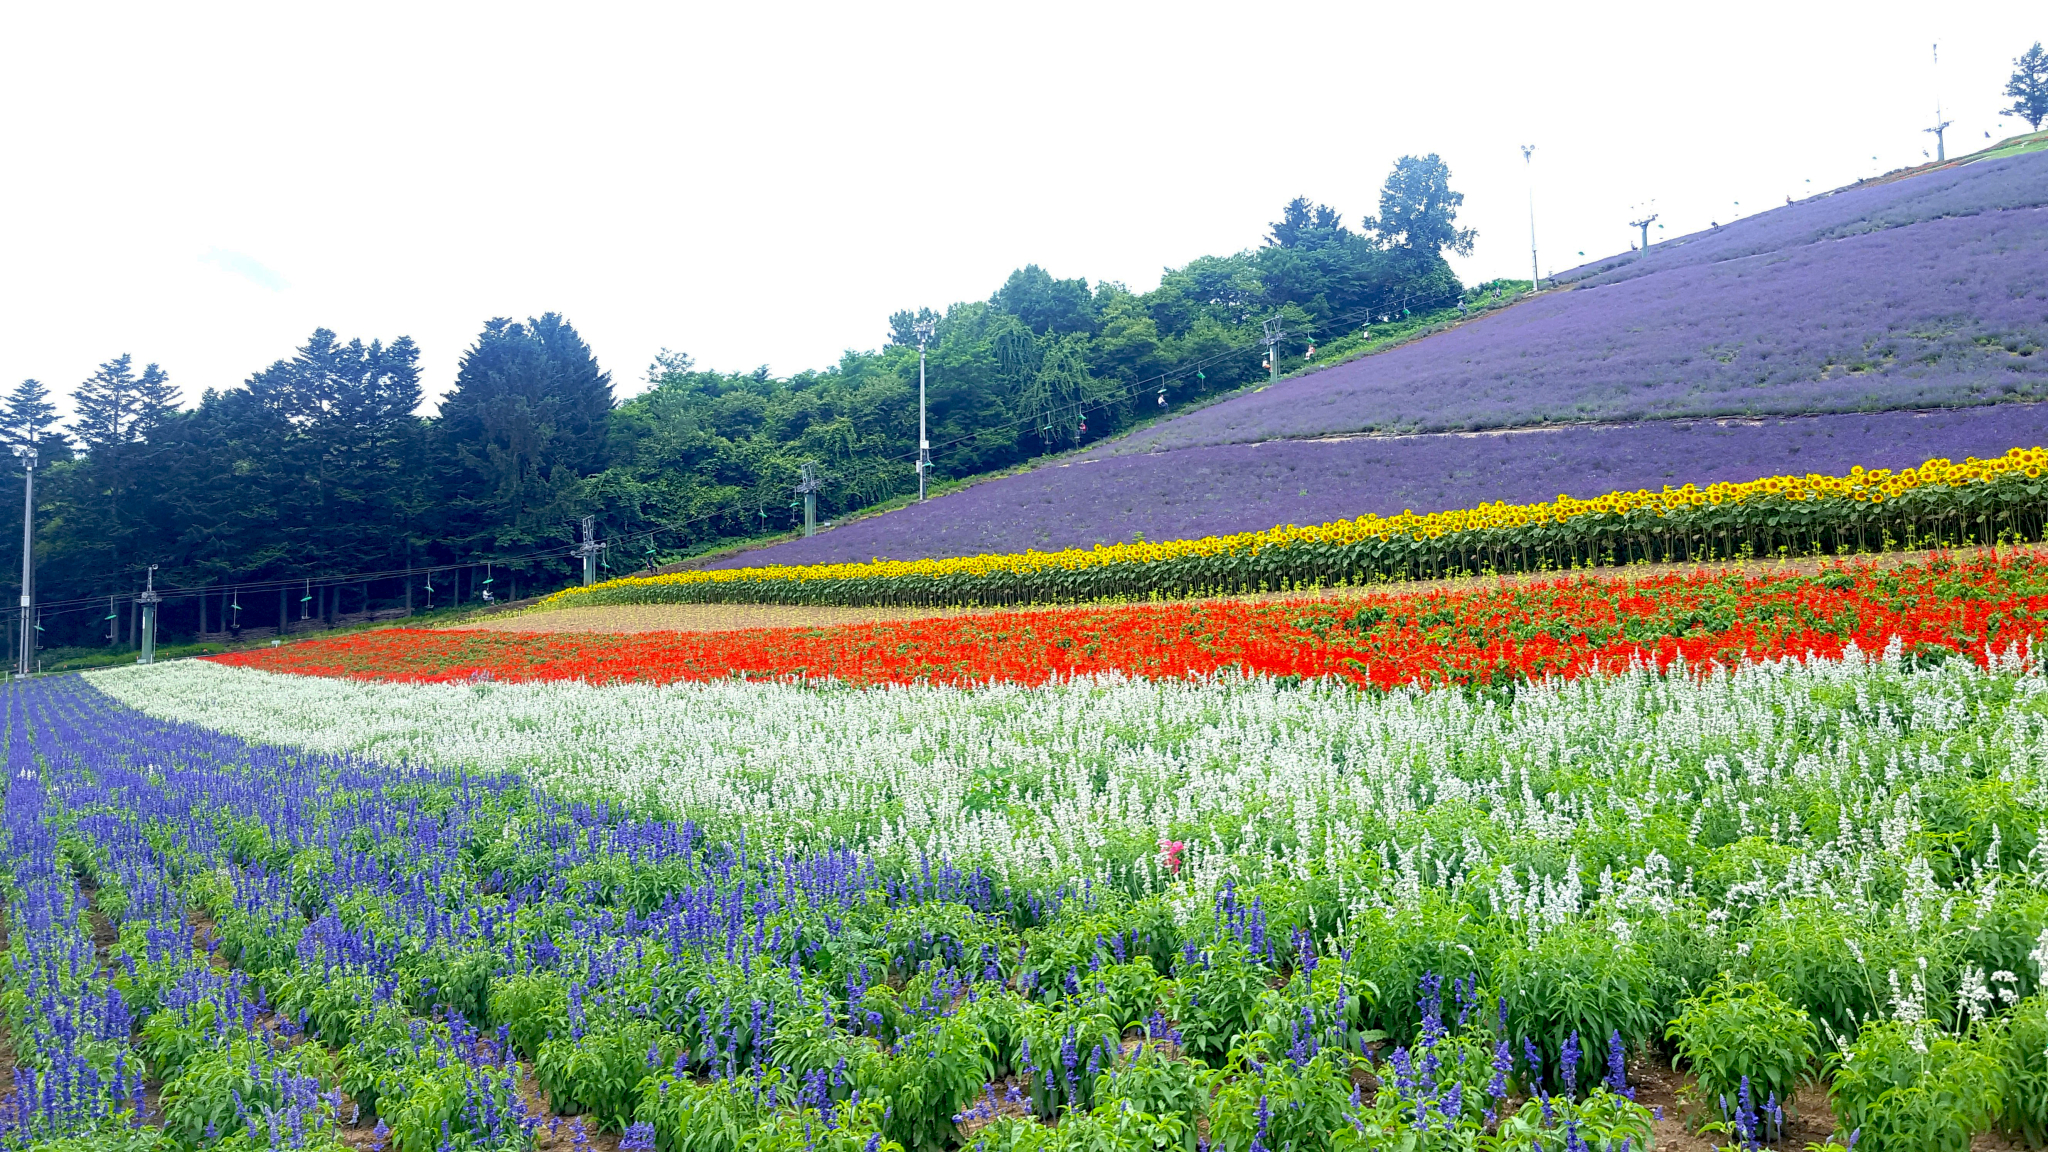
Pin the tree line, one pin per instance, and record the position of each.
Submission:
(318, 487)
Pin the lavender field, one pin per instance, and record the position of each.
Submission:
(1987, 186)
(1240, 487)
(1941, 313)
(1878, 326)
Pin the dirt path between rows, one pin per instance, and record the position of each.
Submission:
(624, 618)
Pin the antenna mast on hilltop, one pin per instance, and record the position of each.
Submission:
(1940, 125)
(1535, 278)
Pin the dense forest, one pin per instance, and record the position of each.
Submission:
(318, 489)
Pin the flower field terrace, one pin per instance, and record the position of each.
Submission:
(1502, 631)
(2003, 499)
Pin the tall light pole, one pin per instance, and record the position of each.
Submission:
(27, 453)
(924, 330)
(1528, 150)
(1940, 125)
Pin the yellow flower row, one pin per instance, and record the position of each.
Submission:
(1866, 486)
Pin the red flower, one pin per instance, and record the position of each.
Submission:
(1493, 634)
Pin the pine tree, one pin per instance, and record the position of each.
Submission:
(115, 406)
(106, 405)
(27, 416)
(521, 431)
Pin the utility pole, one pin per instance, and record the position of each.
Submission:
(808, 489)
(590, 549)
(1272, 342)
(148, 600)
(27, 452)
(1644, 224)
(1529, 166)
(924, 330)
(1940, 125)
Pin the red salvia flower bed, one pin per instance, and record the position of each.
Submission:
(1566, 627)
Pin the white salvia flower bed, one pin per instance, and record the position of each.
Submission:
(1082, 779)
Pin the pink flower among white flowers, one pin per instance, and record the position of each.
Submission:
(1169, 851)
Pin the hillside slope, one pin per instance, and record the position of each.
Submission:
(1796, 340)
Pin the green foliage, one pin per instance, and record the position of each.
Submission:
(534, 1006)
(1154, 1082)
(730, 1115)
(421, 1102)
(202, 1095)
(1124, 1128)
(1576, 979)
(1912, 1087)
(1733, 1032)
(1298, 1107)
(1216, 1000)
(2022, 1046)
(926, 1081)
(600, 1072)
(1606, 1122)
(110, 1139)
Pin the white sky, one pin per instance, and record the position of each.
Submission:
(203, 185)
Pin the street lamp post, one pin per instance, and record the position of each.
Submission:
(1529, 164)
(27, 453)
(924, 330)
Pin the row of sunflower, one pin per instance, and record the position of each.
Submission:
(1938, 503)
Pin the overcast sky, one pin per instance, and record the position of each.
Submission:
(202, 185)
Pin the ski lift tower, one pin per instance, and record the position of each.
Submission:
(148, 600)
(808, 489)
(590, 550)
(1272, 342)
(1644, 224)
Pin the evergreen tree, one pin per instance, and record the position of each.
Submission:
(329, 443)
(108, 405)
(112, 513)
(523, 429)
(27, 416)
